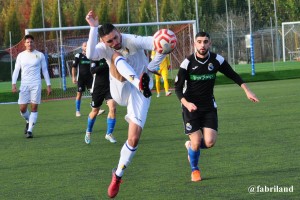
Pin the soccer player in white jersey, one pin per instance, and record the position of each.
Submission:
(30, 62)
(125, 55)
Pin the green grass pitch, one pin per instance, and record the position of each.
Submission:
(258, 144)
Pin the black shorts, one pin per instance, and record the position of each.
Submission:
(98, 96)
(194, 121)
(84, 83)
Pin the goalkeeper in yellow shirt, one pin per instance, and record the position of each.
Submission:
(163, 70)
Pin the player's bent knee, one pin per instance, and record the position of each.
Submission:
(133, 141)
(93, 113)
(210, 143)
(114, 72)
(115, 55)
(205, 144)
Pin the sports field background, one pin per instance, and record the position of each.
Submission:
(264, 72)
(258, 144)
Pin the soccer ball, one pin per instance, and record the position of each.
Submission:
(164, 41)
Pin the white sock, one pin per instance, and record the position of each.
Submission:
(127, 71)
(32, 120)
(126, 155)
(25, 115)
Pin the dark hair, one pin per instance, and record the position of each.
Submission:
(106, 29)
(28, 36)
(202, 34)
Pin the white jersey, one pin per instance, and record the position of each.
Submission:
(133, 49)
(30, 64)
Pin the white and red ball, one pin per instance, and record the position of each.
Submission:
(164, 41)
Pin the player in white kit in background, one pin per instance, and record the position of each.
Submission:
(129, 82)
(30, 62)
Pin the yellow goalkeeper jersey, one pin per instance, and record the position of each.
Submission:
(165, 63)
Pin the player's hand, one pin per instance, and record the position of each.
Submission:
(191, 107)
(14, 88)
(49, 90)
(74, 80)
(155, 72)
(92, 19)
(251, 96)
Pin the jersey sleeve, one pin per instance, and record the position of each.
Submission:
(144, 42)
(76, 60)
(227, 70)
(94, 49)
(45, 69)
(16, 70)
(181, 78)
(147, 43)
(155, 62)
(98, 66)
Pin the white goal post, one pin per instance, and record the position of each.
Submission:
(60, 45)
(185, 32)
(291, 40)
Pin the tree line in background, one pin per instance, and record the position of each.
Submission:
(18, 15)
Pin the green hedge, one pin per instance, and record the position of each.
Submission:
(5, 72)
(58, 93)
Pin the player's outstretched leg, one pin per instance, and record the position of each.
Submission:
(124, 70)
(144, 85)
(114, 186)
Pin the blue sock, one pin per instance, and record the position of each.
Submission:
(110, 125)
(78, 102)
(90, 124)
(194, 159)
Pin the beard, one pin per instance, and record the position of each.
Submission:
(201, 52)
(117, 47)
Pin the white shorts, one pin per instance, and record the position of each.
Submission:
(125, 94)
(30, 94)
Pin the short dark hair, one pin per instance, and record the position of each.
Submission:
(202, 34)
(28, 36)
(106, 29)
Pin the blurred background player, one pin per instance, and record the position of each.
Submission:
(163, 70)
(100, 90)
(81, 75)
(199, 108)
(31, 62)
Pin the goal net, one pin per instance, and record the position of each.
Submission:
(291, 41)
(61, 44)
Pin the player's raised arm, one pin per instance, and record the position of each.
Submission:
(92, 20)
